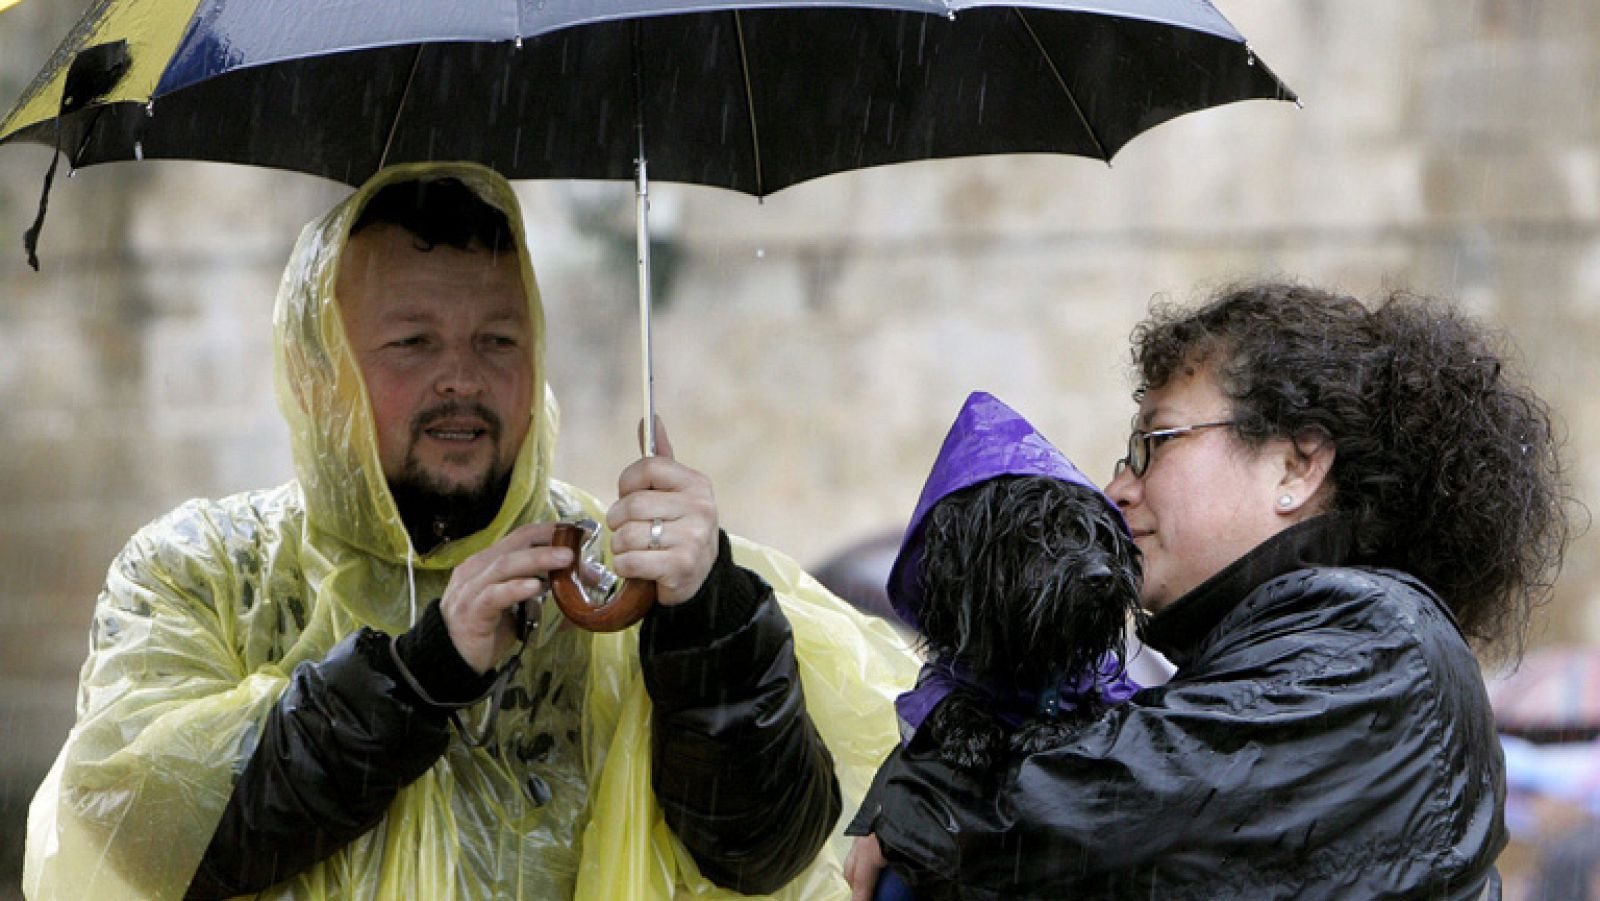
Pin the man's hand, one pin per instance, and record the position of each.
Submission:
(863, 866)
(660, 495)
(478, 600)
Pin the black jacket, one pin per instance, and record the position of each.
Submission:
(741, 774)
(1326, 735)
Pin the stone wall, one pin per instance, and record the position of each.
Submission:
(812, 349)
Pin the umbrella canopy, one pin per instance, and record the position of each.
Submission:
(751, 96)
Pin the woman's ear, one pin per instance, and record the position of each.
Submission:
(1304, 490)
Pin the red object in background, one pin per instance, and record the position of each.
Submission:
(1554, 696)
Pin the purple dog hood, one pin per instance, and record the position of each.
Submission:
(988, 440)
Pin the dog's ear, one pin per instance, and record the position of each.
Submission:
(956, 547)
(964, 731)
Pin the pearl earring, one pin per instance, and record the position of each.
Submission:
(1286, 501)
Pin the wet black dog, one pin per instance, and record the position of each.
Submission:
(1028, 581)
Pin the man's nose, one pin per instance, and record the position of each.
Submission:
(461, 372)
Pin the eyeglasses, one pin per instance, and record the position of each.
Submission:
(1142, 444)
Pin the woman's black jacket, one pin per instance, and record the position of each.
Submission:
(1326, 735)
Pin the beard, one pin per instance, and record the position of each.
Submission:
(436, 511)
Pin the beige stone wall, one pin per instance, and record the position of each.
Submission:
(812, 349)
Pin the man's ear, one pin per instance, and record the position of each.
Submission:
(1305, 490)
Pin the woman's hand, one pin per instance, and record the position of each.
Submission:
(863, 866)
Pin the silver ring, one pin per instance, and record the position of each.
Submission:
(656, 528)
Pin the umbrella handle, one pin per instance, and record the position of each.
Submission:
(633, 599)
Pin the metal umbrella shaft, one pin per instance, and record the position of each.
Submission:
(623, 603)
(647, 360)
(641, 236)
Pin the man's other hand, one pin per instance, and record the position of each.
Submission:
(664, 524)
(478, 601)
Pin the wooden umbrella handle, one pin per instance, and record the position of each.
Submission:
(632, 601)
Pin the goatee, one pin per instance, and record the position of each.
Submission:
(434, 515)
(434, 511)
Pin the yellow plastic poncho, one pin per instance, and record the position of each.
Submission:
(208, 610)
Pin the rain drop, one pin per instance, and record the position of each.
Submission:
(1249, 55)
(761, 252)
(518, 42)
(138, 151)
(150, 110)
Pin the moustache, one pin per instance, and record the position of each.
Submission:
(455, 408)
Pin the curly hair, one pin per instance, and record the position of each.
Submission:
(1448, 465)
(1027, 577)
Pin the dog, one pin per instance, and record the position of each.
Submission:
(1021, 578)
(1029, 584)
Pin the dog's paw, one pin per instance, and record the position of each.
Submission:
(1042, 734)
(971, 749)
(966, 735)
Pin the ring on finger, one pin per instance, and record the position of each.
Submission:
(657, 527)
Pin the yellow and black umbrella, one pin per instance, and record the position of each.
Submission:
(750, 95)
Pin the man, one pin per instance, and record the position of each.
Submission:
(325, 689)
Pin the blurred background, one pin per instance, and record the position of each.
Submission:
(812, 349)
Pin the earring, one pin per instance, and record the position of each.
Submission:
(1286, 501)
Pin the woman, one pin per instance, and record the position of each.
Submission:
(1331, 503)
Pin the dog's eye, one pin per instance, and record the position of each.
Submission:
(1077, 538)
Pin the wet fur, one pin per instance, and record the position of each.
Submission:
(1025, 578)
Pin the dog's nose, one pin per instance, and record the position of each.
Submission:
(1097, 576)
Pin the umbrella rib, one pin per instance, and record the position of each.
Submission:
(1062, 83)
(749, 100)
(394, 125)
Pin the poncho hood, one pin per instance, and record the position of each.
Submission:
(324, 398)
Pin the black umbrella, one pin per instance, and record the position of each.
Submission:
(744, 95)
(741, 94)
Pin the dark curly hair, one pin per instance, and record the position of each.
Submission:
(439, 211)
(1447, 463)
(1027, 577)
